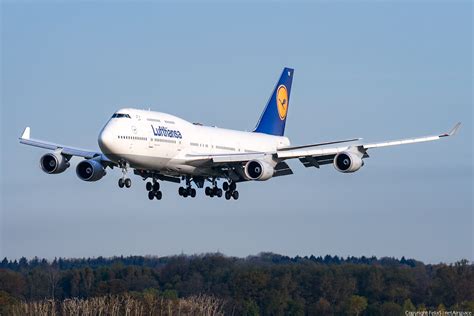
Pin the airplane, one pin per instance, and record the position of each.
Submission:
(162, 147)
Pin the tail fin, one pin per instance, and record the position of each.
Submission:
(273, 119)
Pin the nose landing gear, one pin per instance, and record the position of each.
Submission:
(124, 181)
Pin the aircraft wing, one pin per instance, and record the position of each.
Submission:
(310, 155)
(213, 159)
(321, 156)
(65, 150)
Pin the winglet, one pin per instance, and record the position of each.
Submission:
(26, 133)
(453, 131)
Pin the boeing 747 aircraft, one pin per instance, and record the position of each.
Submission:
(162, 147)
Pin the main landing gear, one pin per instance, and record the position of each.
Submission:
(230, 190)
(124, 181)
(188, 190)
(153, 189)
(214, 190)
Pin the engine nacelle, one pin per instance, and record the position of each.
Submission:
(258, 170)
(347, 162)
(54, 163)
(90, 170)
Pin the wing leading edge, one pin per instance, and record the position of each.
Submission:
(65, 150)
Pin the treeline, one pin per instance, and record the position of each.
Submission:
(155, 262)
(267, 284)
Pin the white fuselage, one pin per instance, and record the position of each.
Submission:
(163, 142)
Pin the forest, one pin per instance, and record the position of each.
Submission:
(214, 284)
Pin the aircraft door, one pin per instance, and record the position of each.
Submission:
(150, 143)
(179, 145)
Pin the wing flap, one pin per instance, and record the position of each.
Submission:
(320, 144)
(300, 153)
(316, 162)
(216, 159)
(282, 169)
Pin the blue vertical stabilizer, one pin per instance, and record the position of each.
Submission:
(273, 119)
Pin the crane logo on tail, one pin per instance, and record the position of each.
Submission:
(282, 101)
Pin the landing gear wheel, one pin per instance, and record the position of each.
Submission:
(225, 186)
(181, 191)
(158, 195)
(228, 195)
(128, 183)
(232, 186)
(185, 194)
(151, 195)
(121, 183)
(208, 191)
(219, 193)
(156, 186)
(192, 193)
(149, 186)
(235, 195)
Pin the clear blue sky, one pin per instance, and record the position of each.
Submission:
(371, 69)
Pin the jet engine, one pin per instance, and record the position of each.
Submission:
(90, 170)
(258, 170)
(347, 162)
(54, 163)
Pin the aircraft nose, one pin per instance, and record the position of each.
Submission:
(105, 140)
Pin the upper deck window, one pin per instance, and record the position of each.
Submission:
(118, 115)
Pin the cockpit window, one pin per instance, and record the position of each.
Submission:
(118, 115)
